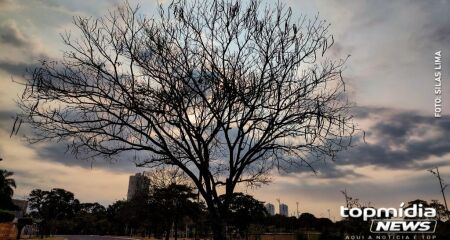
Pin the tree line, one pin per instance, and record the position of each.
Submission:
(173, 210)
(57, 211)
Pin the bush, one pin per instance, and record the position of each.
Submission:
(6, 216)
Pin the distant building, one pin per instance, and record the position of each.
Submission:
(284, 210)
(139, 183)
(270, 209)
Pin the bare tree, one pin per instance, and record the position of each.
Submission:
(442, 185)
(164, 177)
(223, 90)
(352, 202)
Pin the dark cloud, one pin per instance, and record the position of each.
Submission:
(436, 27)
(16, 68)
(363, 112)
(7, 120)
(10, 34)
(21, 53)
(405, 189)
(397, 140)
(402, 140)
(442, 34)
(61, 153)
(330, 170)
(5, 115)
(322, 169)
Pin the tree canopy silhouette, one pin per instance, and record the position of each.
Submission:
(223, 90)
(7, 186)
(244, 210)
(47, 207)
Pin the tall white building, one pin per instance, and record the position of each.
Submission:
(284, 210)
(138, 183)
(270, 209)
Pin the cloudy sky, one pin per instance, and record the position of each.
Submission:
(389, 74)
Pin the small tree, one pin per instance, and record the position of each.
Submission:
(441, 211)
(223, 90)
(245, 210)
(173, 203)
(49, 207)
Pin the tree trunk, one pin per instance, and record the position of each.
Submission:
(168, 230)
(176, 228)
(217, 218)
(19, 230)
(218, 227)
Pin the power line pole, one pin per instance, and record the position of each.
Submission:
(442, 185)
(297, 210)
